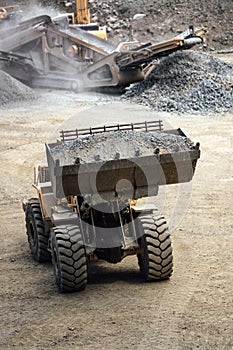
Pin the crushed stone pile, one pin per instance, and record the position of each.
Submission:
(118, 145)
(11, 90)
(186, 82)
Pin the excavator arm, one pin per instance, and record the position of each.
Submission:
(82, 12)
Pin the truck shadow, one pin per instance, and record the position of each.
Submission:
(101, 272)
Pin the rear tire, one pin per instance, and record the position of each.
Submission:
(156, 259)
(69, 258)
(37, 237)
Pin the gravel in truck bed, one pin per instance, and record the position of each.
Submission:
(186, 82)
(118, 145)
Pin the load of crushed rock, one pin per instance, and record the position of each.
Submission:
(11, 90)
(118, 145)
(186, 82)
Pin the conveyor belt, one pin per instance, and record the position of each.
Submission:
(85, 39)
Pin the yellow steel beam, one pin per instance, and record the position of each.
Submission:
(82, 12)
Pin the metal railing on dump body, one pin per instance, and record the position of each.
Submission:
(69, 135)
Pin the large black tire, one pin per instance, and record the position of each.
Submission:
(37, 237)
(69, 258)
(156, 259)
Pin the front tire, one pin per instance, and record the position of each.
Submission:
(69, 259)
(37, 237)
(155, 259)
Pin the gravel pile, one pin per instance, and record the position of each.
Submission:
(184, 82)
(11, 90)
(118, 145)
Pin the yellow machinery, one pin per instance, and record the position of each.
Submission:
(3, 13)
(86, 208)
(82, 18)
(8, 13)
(82, 12)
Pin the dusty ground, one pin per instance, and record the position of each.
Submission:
(193, 310)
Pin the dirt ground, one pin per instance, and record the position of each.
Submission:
(192, 310)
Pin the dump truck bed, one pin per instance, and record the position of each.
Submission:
(96, 163)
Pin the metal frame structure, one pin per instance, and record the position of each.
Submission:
(49, 52)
